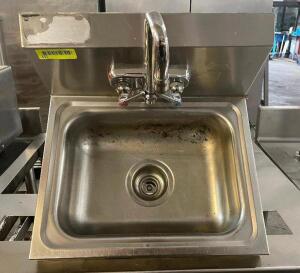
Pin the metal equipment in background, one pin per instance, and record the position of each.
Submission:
(278, 134)
(29, 87)
(142, 6)
(10, 123)
(231, 6)
(20, 165)
(10, 120)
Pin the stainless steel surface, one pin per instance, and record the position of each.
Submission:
(231, 6)
(141, 6)
(153, 81)
(127, 30)
(266, 84)
(30, 181)
(22, 164)
(259, 92)
(30, 89)
(18, 205)
(223, 64)
(157, 56)
(31, 121)
(10, 120)
(17, 169)
(6, 224)
(21, 232)
(284, 83)
(3, 56)
(279, 137)
(277, 193)
(277, 124)
(31, 127)
(97, 217)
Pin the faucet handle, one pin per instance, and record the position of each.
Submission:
(179, 80)
(125, 98)
(174, 98)
(128, 83)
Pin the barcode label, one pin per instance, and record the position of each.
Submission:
(56, 54)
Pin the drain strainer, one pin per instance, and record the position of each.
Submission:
(150, 182)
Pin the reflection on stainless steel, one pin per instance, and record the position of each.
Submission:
(223, 64)
(153, 81)
(30, 181)
(256, 92)
(31, 121)
(10, 122)
(231, 6)
(3, 56)
(279, 136)
(141, 6)
(157, 56)
(211, 209)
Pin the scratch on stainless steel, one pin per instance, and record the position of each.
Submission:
(279, 136)
(85, 211)
(277, 194)
(225, 63)
(10, 122)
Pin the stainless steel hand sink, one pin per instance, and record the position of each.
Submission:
(147, 181)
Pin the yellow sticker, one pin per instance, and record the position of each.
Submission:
(56, 54)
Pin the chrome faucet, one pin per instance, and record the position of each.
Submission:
(157, 55)
(156, 80)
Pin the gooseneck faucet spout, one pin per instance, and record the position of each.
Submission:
(155, 80)
(156, 56)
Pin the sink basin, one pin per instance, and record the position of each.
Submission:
(192, 153)
(137, 182)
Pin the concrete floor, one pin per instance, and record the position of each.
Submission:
(284, 83)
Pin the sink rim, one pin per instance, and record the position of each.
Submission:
(43, 248)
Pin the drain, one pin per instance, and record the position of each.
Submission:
(150, 186)
(150, 182)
